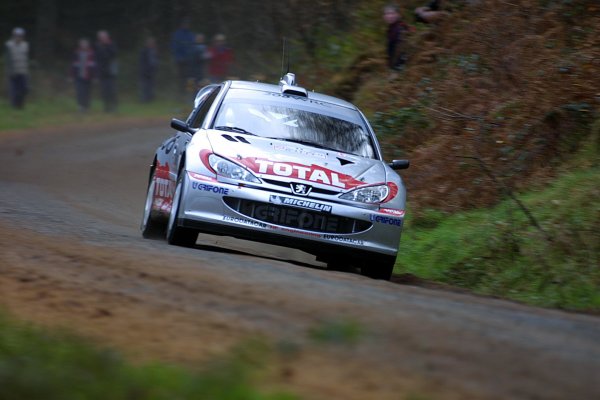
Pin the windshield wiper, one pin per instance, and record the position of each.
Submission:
(306, 143)
(234, 129)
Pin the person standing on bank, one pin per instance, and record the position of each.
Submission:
(148, 67)
(82, 71)
(17, 67)
(106, 61)
(395, 37)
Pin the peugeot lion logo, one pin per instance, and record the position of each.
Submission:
(300, 189)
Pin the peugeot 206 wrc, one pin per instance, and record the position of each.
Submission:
(281, 165)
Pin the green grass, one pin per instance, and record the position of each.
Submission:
(61, 110)
(498, 252)
(37, 364)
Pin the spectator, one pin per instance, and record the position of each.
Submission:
(181, 44)
(395, 37)
(82, 71)
(221, 58)
(431, 13)
(17, 67)
(198, 60)
(106, 61)
(148, 67)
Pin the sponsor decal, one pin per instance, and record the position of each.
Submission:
(201, 177)
(297, 232)
(244, 221)
(310, 173)
(392, 211)
(163, 205)
(344, 239)
(300, 98)
(162, 170)
(297, 218)
(386, 220)
(163, 188)
(311, 205)
(209, 188)
(298, 150)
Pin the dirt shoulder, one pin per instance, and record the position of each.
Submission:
(72, 257)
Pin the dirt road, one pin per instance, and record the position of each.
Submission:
(72, 255)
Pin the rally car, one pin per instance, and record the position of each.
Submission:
(279, 164)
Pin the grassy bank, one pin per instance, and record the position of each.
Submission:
(37, 364)
(499, 251)
(62, 110)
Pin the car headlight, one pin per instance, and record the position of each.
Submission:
(369, 194)
(231, 170)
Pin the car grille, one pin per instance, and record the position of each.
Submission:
(287, 186)
(298, 218)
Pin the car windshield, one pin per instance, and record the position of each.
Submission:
(299, 120)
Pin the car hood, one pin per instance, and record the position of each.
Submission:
(287, 161)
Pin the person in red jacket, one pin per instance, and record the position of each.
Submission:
(82, 71)
(220, 59)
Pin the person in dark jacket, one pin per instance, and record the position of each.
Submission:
(148, 67)
(82, 72)
(106, 61)
(396, 31)
(182, 43)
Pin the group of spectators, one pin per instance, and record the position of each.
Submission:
(196, 64)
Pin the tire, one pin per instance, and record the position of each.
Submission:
(151, 227)
(379, 267)
(178, 235)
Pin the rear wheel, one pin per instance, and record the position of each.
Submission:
(178, 235)
(379, 267)
(151, 227)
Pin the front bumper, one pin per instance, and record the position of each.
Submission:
(317, 226)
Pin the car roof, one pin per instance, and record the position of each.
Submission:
(270, 88)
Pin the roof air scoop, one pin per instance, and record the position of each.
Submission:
(288, 86)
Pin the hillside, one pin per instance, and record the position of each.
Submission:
(515, 85)
(498, 110)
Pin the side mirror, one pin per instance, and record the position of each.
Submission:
(181, 126)
(399, 164)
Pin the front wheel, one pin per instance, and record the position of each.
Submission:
(178, 235)
(379, 267)
(151, 227)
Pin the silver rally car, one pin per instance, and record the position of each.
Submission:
(281, 165)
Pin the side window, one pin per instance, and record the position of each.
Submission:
(203, 102)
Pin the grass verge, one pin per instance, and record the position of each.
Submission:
(62, 110)
(497, 251)
(37, 364)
